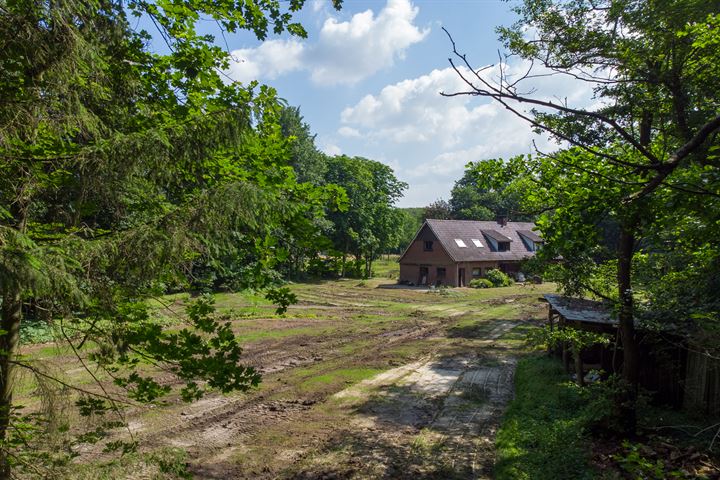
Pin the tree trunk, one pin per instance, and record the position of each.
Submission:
(626, 318)
(11, 314)
(344, 259)
(580, 378)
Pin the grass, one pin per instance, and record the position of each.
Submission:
(387, 266)
(162, 464)
(341, 333)
(543, 433)
(344, 376)
(279, 333)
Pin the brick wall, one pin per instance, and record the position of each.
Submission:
(416, 257)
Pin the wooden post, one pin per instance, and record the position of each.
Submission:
(565, 346)
(550, 323)
(578, 366)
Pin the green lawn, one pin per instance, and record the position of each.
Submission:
(340, 333)
(543, 436)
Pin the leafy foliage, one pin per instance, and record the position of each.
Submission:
(368, 227)
(438, 210)
(641, 158)
(472, 201)
(126, 173)
(498, 278)
(579, 339)
(481, 283)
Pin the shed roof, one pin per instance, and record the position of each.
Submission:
(580, 309)
(497, 236)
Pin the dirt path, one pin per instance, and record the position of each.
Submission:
(434, 418)
(432, 412)
(206, 425)
(430, 419)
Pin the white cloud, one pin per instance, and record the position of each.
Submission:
(270, 60)
(350, 51)
(414, 111)
(349, 132)
(434, 137)
(345, 53)
(331, 149)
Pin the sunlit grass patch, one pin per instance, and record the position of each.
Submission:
(542, 435)
(164, 463)
(343, 376)
(280, 333)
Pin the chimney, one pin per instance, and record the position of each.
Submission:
(501, 220)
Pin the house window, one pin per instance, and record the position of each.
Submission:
(477, 272)
(477, 243)
(503, 246)
(441, 273)
(428, 246)
(460, 243)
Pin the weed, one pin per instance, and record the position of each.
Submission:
(36, 331)
(543, 433)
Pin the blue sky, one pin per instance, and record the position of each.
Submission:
(367, 80)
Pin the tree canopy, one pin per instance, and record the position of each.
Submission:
(126, 173)
(644, 156)
(469, 200)
(369, 225)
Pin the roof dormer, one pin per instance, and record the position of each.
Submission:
(531, 240)
(497, 241)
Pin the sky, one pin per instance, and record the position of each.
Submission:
(368, 80)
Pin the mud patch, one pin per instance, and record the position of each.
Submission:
(435, 418)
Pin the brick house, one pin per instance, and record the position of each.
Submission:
(453, 252)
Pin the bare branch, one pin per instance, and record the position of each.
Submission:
(71, 387)
(498, 94)
(680, 154)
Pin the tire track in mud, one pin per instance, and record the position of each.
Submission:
(211, 429)
(454, 402)
(218, 422)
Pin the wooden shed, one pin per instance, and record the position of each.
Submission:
(670, 368)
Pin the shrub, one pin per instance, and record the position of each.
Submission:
(324, 267)
(481, 283)
(498, 278)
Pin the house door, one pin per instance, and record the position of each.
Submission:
(461, 277)
(423, 276)
(441, 272)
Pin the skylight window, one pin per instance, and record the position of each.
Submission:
(460, 243)
(477, 243)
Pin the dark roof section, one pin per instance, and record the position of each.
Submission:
(581, 310)
(466, 230)
(530, 235)
(497, 236)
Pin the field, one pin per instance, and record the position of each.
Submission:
(360, 380)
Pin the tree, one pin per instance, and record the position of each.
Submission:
(410, 221)
(650, 138)
(122, 168)
(369, 225)
(307, 161)
(438, 210)
(468, 201)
